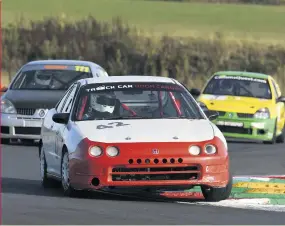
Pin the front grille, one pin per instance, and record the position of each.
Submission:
(231, 129)
(5, 129)
(26, 111)
(28, 130)
(221, 113)
(245, 115)
(154, 174)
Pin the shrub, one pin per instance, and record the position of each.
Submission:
(121, 50)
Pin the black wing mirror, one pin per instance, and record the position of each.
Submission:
(4, 89)
(61, 118)
(281, 99)
(195, 92)
(212, 115)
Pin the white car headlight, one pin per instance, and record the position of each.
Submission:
(202, 105)
(112, 151)
(210, 149)
(95, 151)
(7, 107)
(194, 150)
(262, 113)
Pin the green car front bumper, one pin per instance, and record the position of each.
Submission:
(246, 127)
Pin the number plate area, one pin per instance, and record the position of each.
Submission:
(232, 124)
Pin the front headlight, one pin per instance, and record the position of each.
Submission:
(95, 151)
(210, 149)
(262, 113)
(112, 151)
(194, 150)
(7, 107)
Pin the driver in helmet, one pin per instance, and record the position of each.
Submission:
(101, 106)
(226, 87)
(42, 79)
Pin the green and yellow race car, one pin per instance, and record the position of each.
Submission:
(249, 105)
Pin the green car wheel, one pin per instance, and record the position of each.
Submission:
(281, 137)
(274, 138)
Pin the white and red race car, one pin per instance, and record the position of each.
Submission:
(133, 132)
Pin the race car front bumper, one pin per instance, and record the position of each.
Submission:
(140, 170)
(246, 128)
(15, 126)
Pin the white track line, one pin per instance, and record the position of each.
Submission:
(254, 204)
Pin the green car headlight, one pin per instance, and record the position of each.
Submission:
(262, 113)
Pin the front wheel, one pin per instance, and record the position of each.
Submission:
(274, 138)
(68, 190)
(281, 137)
(212, 194)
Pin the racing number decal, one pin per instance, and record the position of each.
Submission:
(110, 125)
(82, 69)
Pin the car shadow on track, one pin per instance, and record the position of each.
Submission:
(25, 144)
(33, 187)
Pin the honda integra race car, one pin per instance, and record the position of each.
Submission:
(133, 132)
(250, 105)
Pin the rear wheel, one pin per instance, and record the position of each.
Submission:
(45, 180)
(212, 194)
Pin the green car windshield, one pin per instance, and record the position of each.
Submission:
(238, 86)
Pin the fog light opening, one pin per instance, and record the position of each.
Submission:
(180, 160)
(156, 161)
(164, 160)
(139, 161)
(172, 160)
(95, 181)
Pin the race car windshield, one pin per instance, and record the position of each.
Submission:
(238, 86)
(135, 101)
(49, 78)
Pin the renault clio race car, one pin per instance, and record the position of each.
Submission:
(250, 105)
(133, 132)
(37, 87)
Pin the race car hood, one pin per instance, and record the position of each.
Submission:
(151, 130)
(46, 99)
(234, 104)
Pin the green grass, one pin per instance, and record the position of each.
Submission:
(264, 23)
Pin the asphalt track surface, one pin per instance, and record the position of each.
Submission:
(25, 202)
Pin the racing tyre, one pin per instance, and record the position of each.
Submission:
(274, 138)
(5, 141)
(68, 190)
(212, 194)
(281, 137)
(45, 180)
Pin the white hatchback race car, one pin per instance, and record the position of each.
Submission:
(133, 132)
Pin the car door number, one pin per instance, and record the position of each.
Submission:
(111, 125)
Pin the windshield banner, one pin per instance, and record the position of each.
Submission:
(240, 78)
(37, 67)
(127, 86)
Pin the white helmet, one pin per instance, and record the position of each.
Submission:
(43, 77)
(103, 102)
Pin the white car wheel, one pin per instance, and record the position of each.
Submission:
(65, 180)
(65, 171)
(45, 180)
